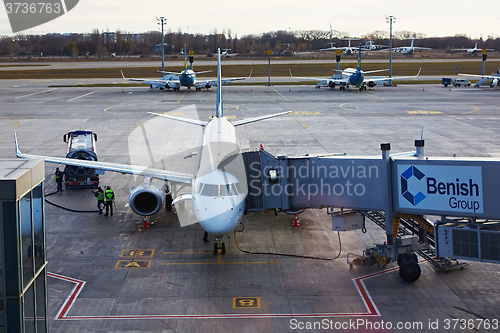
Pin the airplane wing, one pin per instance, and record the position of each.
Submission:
(251, 120)
(393, 78)
(459, 49)
(145, 81)
(333, 48)
(115, 167)
(421, 48)
(481, 76)
(213, 82)
(323, 80)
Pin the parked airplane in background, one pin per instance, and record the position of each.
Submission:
(348, 50)
(471, 51)
(218, 196)
(225, 53)
(369, 46)
(355, 77)
(408, 50)
(186, 78)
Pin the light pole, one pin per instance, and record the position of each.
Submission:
(162, 21)
(390, 19)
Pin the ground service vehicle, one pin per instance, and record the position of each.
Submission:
(81, 145)
(456, 82)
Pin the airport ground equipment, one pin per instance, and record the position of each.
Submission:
(455, 82)
(82, 146)
(396, 192)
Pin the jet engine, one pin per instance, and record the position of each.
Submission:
(331, 84)
(371, 84)
(146, 199)
(495, 82)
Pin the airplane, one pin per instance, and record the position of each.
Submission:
(369, 46)
(217, 195)
(495, 78)
(408, 50)
(355, 77)
(348, 50)
(186, 78)
(225, 53)
(471, 51)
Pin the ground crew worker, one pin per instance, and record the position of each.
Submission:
(59, 179)
(99, 194)
(109, 198)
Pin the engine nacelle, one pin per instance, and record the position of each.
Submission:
(495, 82)
(371, 84)
(146, 199)
(331, 84)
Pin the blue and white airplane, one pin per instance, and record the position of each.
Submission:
(355, 77)
(186, 78)
(218, 195)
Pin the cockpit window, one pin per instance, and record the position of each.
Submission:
(198, 188)
(227, 190)
(210, 190)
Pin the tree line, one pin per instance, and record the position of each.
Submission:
(105, 43)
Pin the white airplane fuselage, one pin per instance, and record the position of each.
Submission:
(218, 199)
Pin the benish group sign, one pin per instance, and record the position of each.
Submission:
(451, 189)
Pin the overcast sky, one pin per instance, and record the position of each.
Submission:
(357, 17)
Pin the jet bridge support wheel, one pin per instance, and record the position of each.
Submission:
(409, 271)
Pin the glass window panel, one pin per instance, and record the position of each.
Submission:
(38, 226)
(41, 304)
(240, 188)
(26, 238)
(226, 190)
(29, 310)
(210, 190)
(198, 188)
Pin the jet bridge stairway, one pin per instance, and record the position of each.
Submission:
(409, 226)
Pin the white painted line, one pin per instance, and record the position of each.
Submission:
(35, 93)
(90, 93)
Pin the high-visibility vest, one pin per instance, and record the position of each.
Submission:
(57, 174)
(109, 196)
(100, 195)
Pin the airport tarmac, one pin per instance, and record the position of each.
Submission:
(107, 274)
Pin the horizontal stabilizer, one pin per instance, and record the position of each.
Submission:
(185, 120)
(251, 120)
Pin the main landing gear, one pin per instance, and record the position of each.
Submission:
(219, 245)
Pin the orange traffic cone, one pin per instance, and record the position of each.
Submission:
(145, 225)
(296, 222)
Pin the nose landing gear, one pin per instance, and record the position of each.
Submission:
(219, 245)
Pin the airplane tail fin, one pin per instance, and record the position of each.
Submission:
(219, 111)
(185, 58)
(359, 58)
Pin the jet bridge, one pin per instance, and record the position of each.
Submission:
(396, 192)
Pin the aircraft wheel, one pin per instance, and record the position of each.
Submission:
(223, 248)
(403, 257)
(168, 202)
(409, 271)
(216, 248)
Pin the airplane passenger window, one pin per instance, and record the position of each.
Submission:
(210, 190)
(226, 190)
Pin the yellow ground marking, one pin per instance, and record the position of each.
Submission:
(364, 92)
(133, 264)
(17, 123)
(183, 95)
(423, 112)
(246, 302)
(345, 108)
(281, 95)
(306, 112)
(217, 262)
(137, 253)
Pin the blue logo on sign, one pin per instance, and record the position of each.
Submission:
(405, 192)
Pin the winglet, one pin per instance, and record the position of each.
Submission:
(123, 75)
(251, 71)
(419, 71)
(290, 72)
(18, 151)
